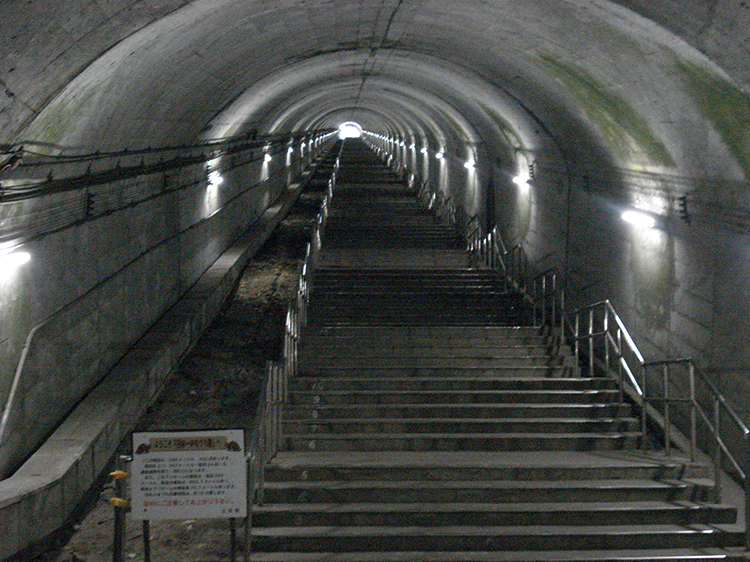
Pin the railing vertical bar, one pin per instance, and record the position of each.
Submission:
(605, 331)
(577, 338)
(620, 370)
(667, 399)
(562, 318)
(644, 405)
(693, 413)
(746, 485)
(717, 453)
(591, 342)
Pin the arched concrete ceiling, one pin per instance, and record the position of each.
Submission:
(654, 93)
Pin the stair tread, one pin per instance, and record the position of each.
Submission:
(524, 420)
(645, 555)
(476, 459)
(450, 507)
(509, 530)
(489, 484)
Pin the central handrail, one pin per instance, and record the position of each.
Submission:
(266, 436)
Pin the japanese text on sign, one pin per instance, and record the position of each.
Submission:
(189, 475)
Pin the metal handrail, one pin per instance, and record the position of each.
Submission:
(267, 437)
(615, 342)
(611, 348)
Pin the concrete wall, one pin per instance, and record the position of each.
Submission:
(97, 286)
(44, 493)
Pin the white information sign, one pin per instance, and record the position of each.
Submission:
(189, 475)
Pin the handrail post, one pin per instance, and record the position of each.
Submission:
(693, 418)
(577, 337)
(620, 370)
(644, 405)
(591, 342)
(746, 482)
(562, 318)
(667, 423)
(717, 452)
(553, 320)
(605, 332)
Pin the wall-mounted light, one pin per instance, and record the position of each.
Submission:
(521, 181)
(424, 150)
(215, 179)
(12, 260)
(267, 158)
(469, 165)
(439, 155)
(638, 218)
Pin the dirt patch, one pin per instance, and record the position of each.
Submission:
(215, 387)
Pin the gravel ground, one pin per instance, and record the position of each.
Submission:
(216, 387)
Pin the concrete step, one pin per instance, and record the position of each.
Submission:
(442, 426)
(524, 468)
(448, 514)
(513, 372)
(508, 492)
(413, 337)
(414, 274)
(521, 441)
(461, 411)
(489, 538)
(642, 555)
(309, 383)
(375, 347)
(310, 361)
(457, 315)
(468, 334)
(381, 240)
(394, 258)
(506, 397)
(327, 319)
(476, 294)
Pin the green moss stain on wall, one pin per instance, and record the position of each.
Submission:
(725, 105)
(59, 118)
(620, 124)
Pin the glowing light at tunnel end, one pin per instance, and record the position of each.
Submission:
(350, 130)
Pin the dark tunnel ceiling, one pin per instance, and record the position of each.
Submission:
(139, 73)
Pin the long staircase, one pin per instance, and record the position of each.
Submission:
(430, 422)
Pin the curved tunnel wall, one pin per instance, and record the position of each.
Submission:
(610, 104)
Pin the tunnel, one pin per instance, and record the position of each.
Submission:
(141, 139)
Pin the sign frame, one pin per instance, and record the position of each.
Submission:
(189, 475)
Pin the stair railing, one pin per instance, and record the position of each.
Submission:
(602, 342)
(548, 301)
(266, 437)
(610, 348)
